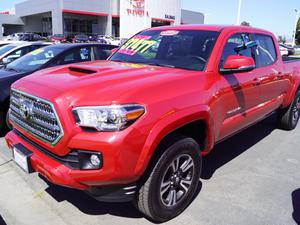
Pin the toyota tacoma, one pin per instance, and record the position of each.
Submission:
(136, 126)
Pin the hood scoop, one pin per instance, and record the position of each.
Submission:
(81, 70)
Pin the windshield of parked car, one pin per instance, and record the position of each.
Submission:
(59, 35)
(35, 59)
(6, 48)
(81, 36)
(185, 49)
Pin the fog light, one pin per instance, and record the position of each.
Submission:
(95, 160)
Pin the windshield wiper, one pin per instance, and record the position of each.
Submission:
(117, 60)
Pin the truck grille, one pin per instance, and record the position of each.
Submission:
(35, 115)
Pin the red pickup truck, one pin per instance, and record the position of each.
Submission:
(135, 127)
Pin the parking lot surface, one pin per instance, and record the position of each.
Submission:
(252, 178)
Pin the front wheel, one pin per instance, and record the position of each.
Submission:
(173, 180)
(289, 118)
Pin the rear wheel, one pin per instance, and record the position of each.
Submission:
(173, 180)
(289, 118)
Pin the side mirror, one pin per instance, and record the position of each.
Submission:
(6, 61)
(237, 64)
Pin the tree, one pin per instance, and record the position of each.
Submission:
(245, 23)
(298, 32)
(281, 39)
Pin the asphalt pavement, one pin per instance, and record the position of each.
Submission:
(252, 178)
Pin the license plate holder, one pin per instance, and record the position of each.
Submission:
(21, 156)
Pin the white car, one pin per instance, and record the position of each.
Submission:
(116, 41)
(11, 52)
(283, 51)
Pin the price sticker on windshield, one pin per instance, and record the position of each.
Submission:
(137, 44)
(37, 51)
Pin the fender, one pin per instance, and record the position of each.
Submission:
(296, 84)
(171, 123)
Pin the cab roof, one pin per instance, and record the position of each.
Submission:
(217, 28)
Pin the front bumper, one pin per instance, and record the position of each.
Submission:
(57, 172)
(51, 169)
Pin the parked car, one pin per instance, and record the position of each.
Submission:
(97, 38)
(283, 51)
(11, 52)
(14, 37)
(53, 55)
(135, 127)
(93, 38)
(116, 41)
(58, 38)
(25, 37)
(109, 39)
(297, 50)
(81, 38)
(290, 50)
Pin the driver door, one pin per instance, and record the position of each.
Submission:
(239, 93)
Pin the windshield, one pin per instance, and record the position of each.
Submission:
(81, 36)
(59, 35)
(35, 59)
(185, 49)
(6, 48)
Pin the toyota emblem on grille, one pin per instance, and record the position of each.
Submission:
(26, 108)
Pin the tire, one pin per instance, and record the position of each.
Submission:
(288, 118)
(156, 198)
(4, 121)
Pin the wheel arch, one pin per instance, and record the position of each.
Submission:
(189, 124)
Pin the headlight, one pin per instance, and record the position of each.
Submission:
(108, 118)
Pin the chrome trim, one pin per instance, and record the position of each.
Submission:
(51, 115)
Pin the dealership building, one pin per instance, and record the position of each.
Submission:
(119, 18)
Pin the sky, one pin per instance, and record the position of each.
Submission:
(276, 16)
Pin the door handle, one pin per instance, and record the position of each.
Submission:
(280, 76)
(256, 82)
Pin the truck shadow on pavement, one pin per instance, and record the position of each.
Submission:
(3, 132)
(231, 148)
(90, 206)
(296, 205)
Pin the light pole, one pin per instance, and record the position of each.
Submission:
(295, 27)
(205, 17)
(238, 20)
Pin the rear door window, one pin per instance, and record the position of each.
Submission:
(102, 53)
(266, 52)
(76, 55)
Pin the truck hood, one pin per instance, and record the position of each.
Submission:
(111, 82)
(107, 82)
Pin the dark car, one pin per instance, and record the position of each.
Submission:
(81, 38)
(291, 50)
(97, 38)
(58, 38)
(54, 55)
